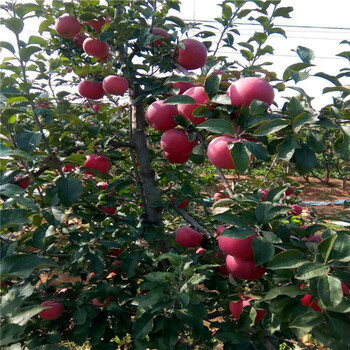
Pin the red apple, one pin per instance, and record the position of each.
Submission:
(220, 230)
(68, 168)
(245, 90)
(177, 158)
(97, 107)
(53, 312)
(183, 86)
(91, 89)
(97, 24)
(102, 185)
(314, 238)
(109, 210)
(260, 314)
(219, 154)
(112, 84)
(67, 26)
(95, 47)
(307, 300)
(265, 193)
(290, 190)
(116, 265)
(116, 252)
(236, 307)
(106, 302)
(188, 237)
(23, 181)
(160, 32)
(98, 162)
(160, 116)
(79, 40)
(201, 97)
(176, 141)
(345, 288)
(218, 196)
(224, 270)
(193, 56)
(200, 250)
(244, 269)
(184, 204)
(297, 209)
(239, 248)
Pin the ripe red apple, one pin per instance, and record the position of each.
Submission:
(236, 307)
(112, 84)
(161, 32)
(183, 86)
(314, 238)
(97, 24)
(220, 230)
(290, 190)
(106, 302)
(95, 47)
(116, 252)
(176, 141)
(54, 311)
(239, 248)
(102, 185)
(297, 209)
(91, 89)
(109, 210)
(98, 162)
(345, 288)
(68, 168)
(67, 26)
(97, 107)
(184, 204)
(218, 196)
(219, 154)
(23, 181)
(245, 90)
(177, 158)
(200, 250)
(193, 56)
(160, 116)
(307, 300)
(224, 270)
(79, 40)
(260, 314)
(188, 237)
(201, 97)
(265, 192)
(244, 269)
(116, 266)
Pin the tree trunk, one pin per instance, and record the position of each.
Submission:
(154, 217)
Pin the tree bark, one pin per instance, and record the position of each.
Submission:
(154, 218)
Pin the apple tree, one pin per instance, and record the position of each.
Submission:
(115, 117)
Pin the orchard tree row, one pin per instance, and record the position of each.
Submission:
(116, 119)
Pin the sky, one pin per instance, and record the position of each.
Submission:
(316, 24)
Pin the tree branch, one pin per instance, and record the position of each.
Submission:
(192, 221)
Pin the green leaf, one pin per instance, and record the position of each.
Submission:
(240, 157)
(231, 219)
(304, 318)
(297, 67)
(180, 99)
(301, 120)
(226, 11)
(26, 52)
(7, 45)
(143, 325)
(315, 140)
(289, 259)
(257, 107)
(13, 217)
(283, 12)
(14, 298)
(238, 232)
(22, 265)
(24, 315)
(218, 126)
(295, 107)
(258, 150)
(325, 247)
(287, 148)
(265, 212)
(8, 153)
(212, 85)
(345, 89)
(312, 270)
(275, 195)
(263, 250)
(10, 333)
(328, 77)
(69, 190)
(329, 290)
(222, 100)
(305, 159)
(291, 291)
(341, 248)
(28, 140)
(10, 190)
(14, 24)
(271, 127)
(305, 54)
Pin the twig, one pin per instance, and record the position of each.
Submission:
(225, 182)
(192, 221)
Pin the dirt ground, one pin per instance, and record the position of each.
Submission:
(314, 191)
